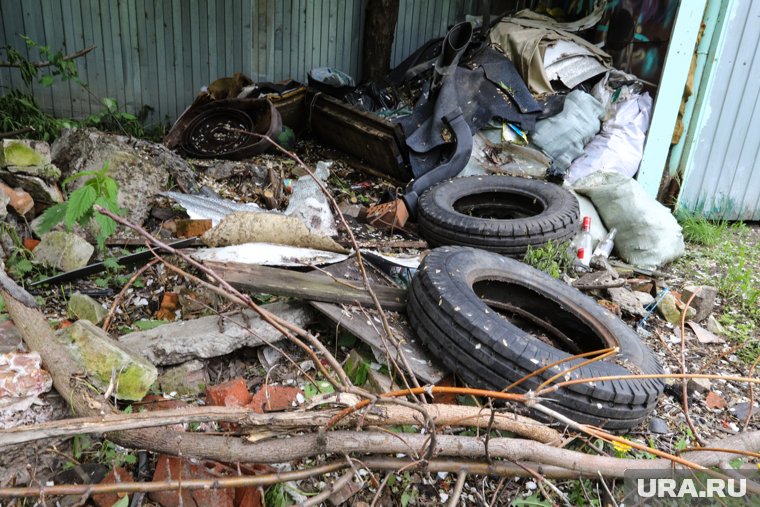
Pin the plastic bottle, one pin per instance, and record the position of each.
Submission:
(604, 248)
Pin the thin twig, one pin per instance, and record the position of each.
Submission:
(352, 238)
(327, 492)
(685, 393)
(47, 63)
(552, 365)
(123, 292)
(279, 324)
(458, 488)
(751, 410)
(576, 366)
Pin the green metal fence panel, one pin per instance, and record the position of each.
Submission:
(155, 55)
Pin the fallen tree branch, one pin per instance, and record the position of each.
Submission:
(386, 415)
(48, 63)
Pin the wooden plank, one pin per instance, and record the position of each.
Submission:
(162, 79)
(247, 38)
(365, 136)
(97, 68)
(425, 368)
(128, 13)
(83, 64)
(55, 38)
(204, 52)
(31, 22)
(312, 286)
(116, 75)
(189, 88)
(180, 79)
(665, 111)
(71, 43)
(144, 52)
(330, 35)
(290, 20)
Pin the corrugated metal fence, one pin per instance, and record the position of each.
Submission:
(722, 178)
(158, 53)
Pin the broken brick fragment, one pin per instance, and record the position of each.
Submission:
(169, 305)
(273, 398)
(191, 228)
(233, 393)
(19, 200)
(116, 476)
(169, 468)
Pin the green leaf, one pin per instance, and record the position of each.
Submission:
(112, 264)
(52, 217)
(110, 104)
(122, 502)
(80, 201)
(112, 188)
(78, 175)
(47, 80)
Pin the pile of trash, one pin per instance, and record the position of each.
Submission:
(505, 139)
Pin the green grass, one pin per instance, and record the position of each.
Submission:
(727, 256)
(552, 258)
(699, 230)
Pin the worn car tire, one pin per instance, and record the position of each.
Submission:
(447, 308)
(502, 214)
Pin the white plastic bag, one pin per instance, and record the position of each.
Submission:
(648, 234)
(620, 144)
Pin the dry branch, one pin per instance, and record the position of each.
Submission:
(47, 63)
(386, 415)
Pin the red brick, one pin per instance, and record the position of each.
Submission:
(233, 393)
(273, 398)
(171, 468)
(115, 476)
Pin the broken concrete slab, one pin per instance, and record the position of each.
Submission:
(24, 152)
(5, 200)
(187, 379)
(10, 338)
(714, 326)
(628, 302)
(668, 309)
(141, 168)
(49, 172)
(64, 251)
(83, 307)
(39, 189)
(703, 302)
(644, 298)
(213, 336)
(101, 357)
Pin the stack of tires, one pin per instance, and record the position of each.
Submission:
(460, 296)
